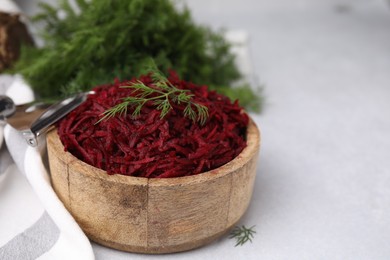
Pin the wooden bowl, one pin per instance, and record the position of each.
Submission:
(154, 215)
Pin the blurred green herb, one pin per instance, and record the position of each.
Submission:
(242, 234)
(104, 40)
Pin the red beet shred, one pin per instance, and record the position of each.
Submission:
(148, 146)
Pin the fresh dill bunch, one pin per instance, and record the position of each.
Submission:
(105, 40)
(162, 94)
(242, 234)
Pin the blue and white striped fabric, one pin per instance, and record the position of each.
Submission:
(34, 223)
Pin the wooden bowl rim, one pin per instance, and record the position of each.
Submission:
(253, 143)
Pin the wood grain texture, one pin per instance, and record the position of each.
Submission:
(154, 215)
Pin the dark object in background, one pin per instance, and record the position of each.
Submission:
(13, 33)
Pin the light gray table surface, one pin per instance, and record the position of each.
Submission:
(323, 184)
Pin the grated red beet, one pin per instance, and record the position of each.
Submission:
(147, 146)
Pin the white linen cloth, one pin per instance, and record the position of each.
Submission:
(44, 229)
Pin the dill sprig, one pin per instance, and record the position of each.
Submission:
(242, 234)
(162, 94)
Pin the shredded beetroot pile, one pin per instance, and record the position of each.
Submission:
(148, 146)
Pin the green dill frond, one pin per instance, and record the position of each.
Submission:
(189, 112)
(242, 234)
(137, 110)
(165, 107)
(161, 95)
(120, 109)
(104, 40)
(203, 113)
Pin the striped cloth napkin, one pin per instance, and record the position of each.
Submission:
(33, 221)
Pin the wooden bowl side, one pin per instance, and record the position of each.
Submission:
(109, 208)
(154, 215)
(202, 207)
